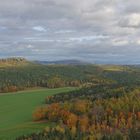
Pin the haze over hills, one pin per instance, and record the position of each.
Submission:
(63, 62)
(21, 61)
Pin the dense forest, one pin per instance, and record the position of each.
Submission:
(18, 74)
(95, 113)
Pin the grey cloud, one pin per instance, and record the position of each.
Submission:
(95, 30)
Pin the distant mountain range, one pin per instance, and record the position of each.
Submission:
(63, 62)
(19, 61)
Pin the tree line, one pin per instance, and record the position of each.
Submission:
(24, 74)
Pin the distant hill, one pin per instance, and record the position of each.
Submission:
(63, 62)
(15, 61)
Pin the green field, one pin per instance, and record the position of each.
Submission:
(16, 111)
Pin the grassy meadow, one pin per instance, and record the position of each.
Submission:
(16, 111)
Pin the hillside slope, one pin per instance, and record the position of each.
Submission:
(17, 74)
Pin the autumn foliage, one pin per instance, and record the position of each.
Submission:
(96, 118)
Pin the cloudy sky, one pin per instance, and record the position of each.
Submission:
(98, 31)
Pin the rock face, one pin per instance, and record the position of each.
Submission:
(15, 61)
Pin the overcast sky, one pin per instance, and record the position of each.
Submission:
(99, 31)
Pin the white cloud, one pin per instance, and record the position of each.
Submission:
(64, 31)
(29, 46)
(88, 38)
(39, 28)
(138, 42)
(132, 20)
(68, 39)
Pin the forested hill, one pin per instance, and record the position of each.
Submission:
(18, 74)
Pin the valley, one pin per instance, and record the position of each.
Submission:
(68, 101)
